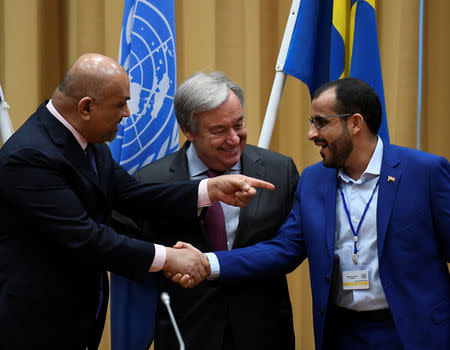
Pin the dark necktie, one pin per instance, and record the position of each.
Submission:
(91, 156)
(215, 222)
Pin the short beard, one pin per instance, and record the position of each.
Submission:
(340, 150)
(111, 136)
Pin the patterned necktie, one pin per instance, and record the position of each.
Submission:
(91, 156)
(215, 222)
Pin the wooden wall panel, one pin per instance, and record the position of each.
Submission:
(241, 38)
(436, 75)
(400, 67)
(21, 58)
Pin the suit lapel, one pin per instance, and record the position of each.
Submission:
(329, 194)
(62, 137)
(386, 194)
(102, 180)
(75, 154)
(179, 169)
(250, 166)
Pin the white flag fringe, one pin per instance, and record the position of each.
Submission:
(6, 129)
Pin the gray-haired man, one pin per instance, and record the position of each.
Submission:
(253, 315)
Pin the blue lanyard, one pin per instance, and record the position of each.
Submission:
(355, 234)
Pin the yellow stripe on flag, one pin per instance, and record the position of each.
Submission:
(371, 3)
(341, 23)
(340, 10)
(351, 37)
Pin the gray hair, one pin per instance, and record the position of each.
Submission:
(202, 92)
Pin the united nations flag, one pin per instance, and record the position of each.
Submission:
(147, 52)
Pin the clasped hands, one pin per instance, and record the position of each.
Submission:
(185, 264)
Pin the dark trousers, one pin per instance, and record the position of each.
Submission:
(360, 331)
(228, 342)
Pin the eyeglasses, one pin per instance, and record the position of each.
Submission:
(319, 121)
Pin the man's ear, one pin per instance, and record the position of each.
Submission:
(84, 107)
(189, 135)
(356, 123)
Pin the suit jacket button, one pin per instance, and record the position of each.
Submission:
(327, 278)
(320, 310)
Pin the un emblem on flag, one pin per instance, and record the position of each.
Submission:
(147, 52)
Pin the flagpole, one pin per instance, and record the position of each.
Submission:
(272, 110)
(279, 80)
(419, 85)
(6, 129)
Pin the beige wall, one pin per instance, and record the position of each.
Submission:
(40, 38)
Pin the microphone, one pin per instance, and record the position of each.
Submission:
(166, 300)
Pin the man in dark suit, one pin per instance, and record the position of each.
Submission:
(58, 186)
(248, 315)
(373, 219)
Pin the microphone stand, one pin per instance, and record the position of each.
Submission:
(166, 300)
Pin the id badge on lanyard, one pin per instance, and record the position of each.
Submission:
(355, 279)
(353, 276)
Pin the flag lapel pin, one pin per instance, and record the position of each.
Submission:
(391, 179)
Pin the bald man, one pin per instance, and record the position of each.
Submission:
(58, 186)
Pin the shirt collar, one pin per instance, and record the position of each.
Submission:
(80, 138)
(373, 168)
(197, 167)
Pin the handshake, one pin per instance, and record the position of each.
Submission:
(186, 265)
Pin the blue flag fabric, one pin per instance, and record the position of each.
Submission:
(148, 54)
(336, 39)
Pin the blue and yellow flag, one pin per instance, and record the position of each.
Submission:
(336, 39)
(147, 52)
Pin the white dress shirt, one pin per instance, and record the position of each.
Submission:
(357, 194)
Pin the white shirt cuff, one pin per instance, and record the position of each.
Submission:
(203, 197)
(160, 258)
(214, 265)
